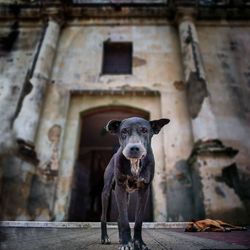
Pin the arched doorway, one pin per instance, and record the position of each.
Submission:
(96, 148)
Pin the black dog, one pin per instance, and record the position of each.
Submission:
(131, 168)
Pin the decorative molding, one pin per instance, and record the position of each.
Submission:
(69, 10)
(112, 92)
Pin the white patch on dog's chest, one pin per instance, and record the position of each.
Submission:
(135, 167)
(134, 182)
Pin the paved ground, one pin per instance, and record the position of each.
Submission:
(79, 238)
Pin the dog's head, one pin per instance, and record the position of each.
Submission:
(191, 227)
(135, 135)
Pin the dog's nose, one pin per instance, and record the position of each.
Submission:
(134, 149)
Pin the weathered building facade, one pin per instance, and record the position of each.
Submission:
(183, 60)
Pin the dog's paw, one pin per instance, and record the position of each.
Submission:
(128, 246)
(105, 240)
(140, 245)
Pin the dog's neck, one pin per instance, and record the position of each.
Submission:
(135, 167)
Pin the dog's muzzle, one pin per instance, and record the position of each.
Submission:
(134, 151)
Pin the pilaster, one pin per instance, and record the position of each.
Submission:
(26, 124)
(212, 164)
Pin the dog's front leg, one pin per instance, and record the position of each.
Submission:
(125, 232)
(140, 207)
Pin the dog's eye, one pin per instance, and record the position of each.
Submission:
(144, 130)
(124, 131)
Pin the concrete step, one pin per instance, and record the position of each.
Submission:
(152, 225)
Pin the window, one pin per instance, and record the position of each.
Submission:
(117, 58)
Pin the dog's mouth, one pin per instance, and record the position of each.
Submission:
(135, 165)
(135, 152)
(135, 159)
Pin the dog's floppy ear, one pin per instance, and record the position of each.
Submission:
(156, 125)
(113, 126)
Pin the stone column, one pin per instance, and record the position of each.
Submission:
(26, 123)
(28, 119)
(213, 170)
(199, 104)
(7, 109)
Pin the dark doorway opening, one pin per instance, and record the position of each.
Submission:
(95, 150)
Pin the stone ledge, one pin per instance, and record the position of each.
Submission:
(88, 225)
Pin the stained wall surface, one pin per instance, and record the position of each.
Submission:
(225, 51)
(157, 66)
(16, 61)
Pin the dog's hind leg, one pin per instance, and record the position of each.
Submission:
(231, 227)
(108, 182)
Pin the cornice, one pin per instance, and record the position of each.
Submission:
(171, 10)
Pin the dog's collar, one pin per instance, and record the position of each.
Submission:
(135, 165)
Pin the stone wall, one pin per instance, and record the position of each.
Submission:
(225, 51)
(15, 66)
(17, 54)
(157, 66)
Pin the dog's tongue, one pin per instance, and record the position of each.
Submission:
(135, 166)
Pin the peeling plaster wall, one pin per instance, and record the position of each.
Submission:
(220, 200)
(226, 53)
(45, 189)
(156, 66)
(16, 175)
(17, 178)
(14, 65)
(155, 48)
